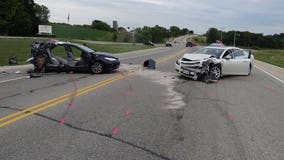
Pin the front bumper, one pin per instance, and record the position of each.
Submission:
(112, 65)
(187, 71)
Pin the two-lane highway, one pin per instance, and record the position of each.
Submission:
(142, 114)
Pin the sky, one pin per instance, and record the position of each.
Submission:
(258, 16)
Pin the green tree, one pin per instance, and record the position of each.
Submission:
(184, 31)
(175, 31)
(146, 34)
(158, 33)
(42, 13)
(8, 10)
(212, 35)
(100, 25)
(24, 23)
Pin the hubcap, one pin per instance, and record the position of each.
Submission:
(97, 68)
(216, 71)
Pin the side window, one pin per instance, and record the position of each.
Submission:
(76, 52)
(59, 51)
(228, 52)
(239, 54)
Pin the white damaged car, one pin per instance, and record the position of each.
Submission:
(216, 61)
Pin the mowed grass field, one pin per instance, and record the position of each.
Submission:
(272, 56)
(19, 48)
(83, 33)
(200, 40)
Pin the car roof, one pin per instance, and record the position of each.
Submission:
(85, 48)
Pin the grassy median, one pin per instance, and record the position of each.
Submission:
(272, 56)
(19, 48)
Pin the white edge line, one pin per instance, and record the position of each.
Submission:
(270, 74)
(8, 80)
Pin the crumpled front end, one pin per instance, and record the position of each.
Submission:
(188, 68)
(194, 69)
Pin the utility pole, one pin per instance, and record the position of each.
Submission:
(234, 39)
(133, 36)
(235, 35)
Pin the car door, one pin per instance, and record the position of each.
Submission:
(237, 64)
(242, 62)
(228, 63)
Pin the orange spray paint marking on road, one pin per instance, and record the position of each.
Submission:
(127, 113)
(230, 117)
(62, 122)
(208, 94)
(72, 97)
(71, 104)
(273, 90)
(114, 131)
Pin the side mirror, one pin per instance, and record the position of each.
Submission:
(228, 57)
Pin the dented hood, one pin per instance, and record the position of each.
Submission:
(193, 56)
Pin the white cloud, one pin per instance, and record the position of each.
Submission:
(199, 15)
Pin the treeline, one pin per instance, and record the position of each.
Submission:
(21, 17)
(246, 39)
(156, 34)
(159, 34)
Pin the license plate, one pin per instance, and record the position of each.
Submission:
(185, 72)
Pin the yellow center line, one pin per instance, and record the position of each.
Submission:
(28, 109)
(6, 120)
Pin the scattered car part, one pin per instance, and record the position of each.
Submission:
(150, 64)
(12, 61)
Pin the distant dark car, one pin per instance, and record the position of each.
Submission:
(45, 57)
(190, 44)
(149, 43)
(168, 44)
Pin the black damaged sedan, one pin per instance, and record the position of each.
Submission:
(61, 57)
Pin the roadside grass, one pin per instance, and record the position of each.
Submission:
(200, 40)
(272, 56)
(75, 32)
(85, 33)
(19, 48)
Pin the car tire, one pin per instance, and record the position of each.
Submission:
(97, 67)
(216, 70)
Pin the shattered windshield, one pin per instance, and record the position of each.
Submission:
(210, 51)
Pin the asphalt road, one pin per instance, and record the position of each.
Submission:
(141, 114)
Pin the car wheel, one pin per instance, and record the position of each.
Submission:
(216, 70)
(97, 67)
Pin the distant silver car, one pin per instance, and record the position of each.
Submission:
(219, 61)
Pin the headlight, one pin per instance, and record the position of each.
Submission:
(178, 62)
(110, 59)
